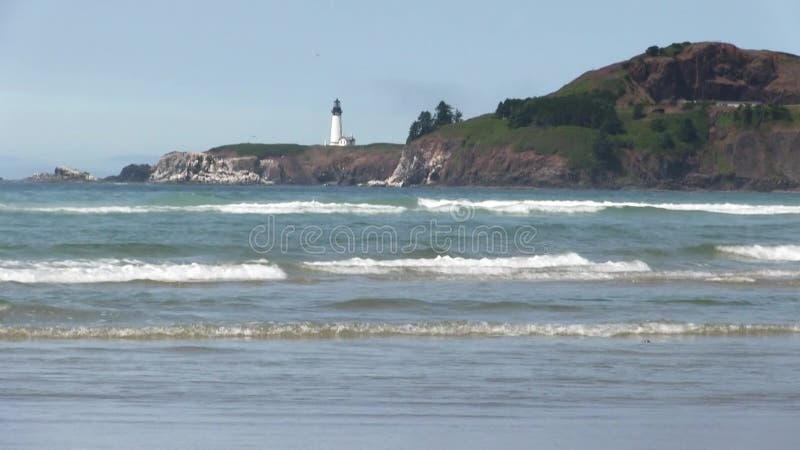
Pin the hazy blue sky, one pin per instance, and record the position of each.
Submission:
(98, 84)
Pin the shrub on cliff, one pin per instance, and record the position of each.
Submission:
(755, 116)
(638, 111)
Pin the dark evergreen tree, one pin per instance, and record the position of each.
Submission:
(422, 126)
(444, 114)
(687, 131)
(428, 123)
(747, 115)
(605, 153)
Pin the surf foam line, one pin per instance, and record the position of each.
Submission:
(763, 252)
(354, 330)
(295, 207)
(561, 267)
(567, 265)
(524, 207)
(127, 270)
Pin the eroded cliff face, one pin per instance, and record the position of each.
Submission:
(436, 160)
(717, 71)
(761, 160)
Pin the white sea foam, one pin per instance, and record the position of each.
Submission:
(120, 271)
(295, 207)
(524, 207)
(763, 252)
(352, 330)
(562, 266)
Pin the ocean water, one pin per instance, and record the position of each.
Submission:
(169, 316)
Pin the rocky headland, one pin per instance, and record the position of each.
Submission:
(687, 116)
(132, 173)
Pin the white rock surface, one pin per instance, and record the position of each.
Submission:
(191, 167)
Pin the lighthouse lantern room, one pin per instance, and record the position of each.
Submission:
(336, 138)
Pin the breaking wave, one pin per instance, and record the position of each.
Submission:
(763, 252)
(522, 207)
(563, 266)
(352, 330)
(295, 207)
(121, 271)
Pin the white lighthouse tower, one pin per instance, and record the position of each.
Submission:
(337, 139)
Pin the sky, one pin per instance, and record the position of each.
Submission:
(99, 84)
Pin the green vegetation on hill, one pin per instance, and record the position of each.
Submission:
(261, 150)
(486, 132)
(577, 128)
(678, 133)
(757, 117)
(613, 80)
(595, 110)
(748, 116)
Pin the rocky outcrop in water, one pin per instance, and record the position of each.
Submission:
(61, 175)
(132, 173)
